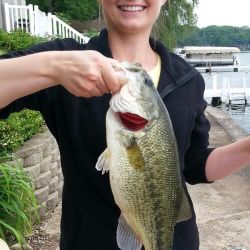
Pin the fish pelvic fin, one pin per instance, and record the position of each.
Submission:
(126, 238)
(185, 212)
(103, 161)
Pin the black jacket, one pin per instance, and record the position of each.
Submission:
(89, 214)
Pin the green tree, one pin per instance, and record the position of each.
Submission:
(217, 36)
(74, 9)
(43, 4)
(177, 16)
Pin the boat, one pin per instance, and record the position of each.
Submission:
(211, 56)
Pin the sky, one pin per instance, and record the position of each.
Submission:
(223, 12)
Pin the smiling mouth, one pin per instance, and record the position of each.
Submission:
(132, 8)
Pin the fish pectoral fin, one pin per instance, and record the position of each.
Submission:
(125, 236)
(126, 138)
(103, 161)
(185, 212)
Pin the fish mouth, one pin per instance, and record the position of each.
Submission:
(132, 121)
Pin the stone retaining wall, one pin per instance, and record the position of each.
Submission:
(41, 160)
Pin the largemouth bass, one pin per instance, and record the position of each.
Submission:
(142, 160)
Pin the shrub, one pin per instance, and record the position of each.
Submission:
(91, 32)
(64, 17)
(18, 205)
(17, 40)
(17, 129)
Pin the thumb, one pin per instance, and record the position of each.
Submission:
(110, 76)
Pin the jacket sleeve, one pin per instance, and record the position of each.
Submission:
(199, 150)
(38, 101)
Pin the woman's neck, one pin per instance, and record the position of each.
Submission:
(133, 48)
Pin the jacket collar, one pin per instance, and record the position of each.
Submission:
(174, 70)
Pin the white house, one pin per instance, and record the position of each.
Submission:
(2, 2)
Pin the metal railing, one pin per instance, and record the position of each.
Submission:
(226, 92)
(32, 20)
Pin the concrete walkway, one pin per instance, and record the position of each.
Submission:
(223, 208)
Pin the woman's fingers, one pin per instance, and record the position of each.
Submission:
(110, 77)
(86, 73)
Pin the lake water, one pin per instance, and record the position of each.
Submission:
(240, 114)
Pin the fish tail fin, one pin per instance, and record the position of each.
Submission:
(126, 238)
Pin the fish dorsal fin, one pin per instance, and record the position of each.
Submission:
(185, 212)
(103, 161)
(126, 238)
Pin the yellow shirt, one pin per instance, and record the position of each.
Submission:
(155, 72)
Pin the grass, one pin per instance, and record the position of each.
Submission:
(18, 205)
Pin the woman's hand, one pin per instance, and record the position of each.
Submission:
(84, 73)
(228, 159)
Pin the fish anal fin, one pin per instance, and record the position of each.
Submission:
(185, 212)
(126, 238)
(103, 161)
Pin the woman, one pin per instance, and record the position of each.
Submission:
(70, 84)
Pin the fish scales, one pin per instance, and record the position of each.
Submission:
(143, 165)
(148, 193)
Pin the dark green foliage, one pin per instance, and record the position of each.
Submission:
(78, 9)
(2, 52)
(17, 129)
(44, 5)
(17, 40)
(91, 33)
(18, 205)
(73, 9)
(217, 36)
(64, 17)
(175, 19)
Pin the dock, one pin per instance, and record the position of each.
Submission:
(225, 93)
(210, 58)
(225, 68)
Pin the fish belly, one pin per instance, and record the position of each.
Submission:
(148, 195)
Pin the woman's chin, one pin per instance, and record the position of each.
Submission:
(132, 26)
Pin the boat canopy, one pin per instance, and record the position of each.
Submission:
(210, 50)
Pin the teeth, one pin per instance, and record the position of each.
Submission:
(131, 8)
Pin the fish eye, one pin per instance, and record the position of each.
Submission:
(134, 67)
(133, 70)
(148, 81)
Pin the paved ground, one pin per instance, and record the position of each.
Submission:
(223, 208)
